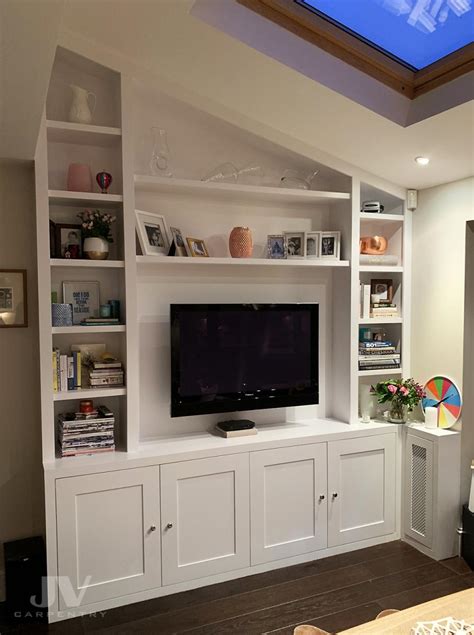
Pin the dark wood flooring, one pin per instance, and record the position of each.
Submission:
(334, 593)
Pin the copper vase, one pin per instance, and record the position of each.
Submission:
(240, 242)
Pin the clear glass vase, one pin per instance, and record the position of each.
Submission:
(398, 412)
(160, 156)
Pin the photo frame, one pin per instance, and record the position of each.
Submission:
(313, 245)
(330, 245)
(197, 247)
(84, 296)
(295, 244)
(152, 233)
(383, 288)
(13, 298)
(178, 245)
(276, 247)
(67, 240)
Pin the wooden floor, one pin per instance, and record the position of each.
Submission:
(333, 593)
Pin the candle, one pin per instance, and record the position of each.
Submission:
(431, 417)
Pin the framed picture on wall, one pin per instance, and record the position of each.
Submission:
(152, 233)
(313, 244)
(197, 247)
(178, 247)
(68, 240)
(330, 245)
(276, 247)
(13, 298)
(295, 244)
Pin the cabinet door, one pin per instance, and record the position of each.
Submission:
(288, 502)
(361, 488)
(108, 537)
(419, 489)
(205, 517)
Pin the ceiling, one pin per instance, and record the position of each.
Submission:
(163, 38)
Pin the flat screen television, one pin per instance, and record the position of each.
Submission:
(234, 357)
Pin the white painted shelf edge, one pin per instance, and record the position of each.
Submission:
(88, 264)
(65, 197)
(235, 191)
(67, 132)
(389, 320)
(65, 330)
(89, 393)
(391, 218)
(387, 371)
(236, 262)
(380, 269)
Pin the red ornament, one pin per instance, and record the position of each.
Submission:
(104, 179)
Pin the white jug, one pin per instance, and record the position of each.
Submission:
(80, 111)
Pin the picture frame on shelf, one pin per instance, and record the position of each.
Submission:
(13, 298)
(178, 246)
(152, 233)
(330, 245)
(295, 244)
(276, 247)
(381, 290)
(313, 244)
(84, 296)
(68, 240)
(197, 247)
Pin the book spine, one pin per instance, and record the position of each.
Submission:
(63, 372)
(79, 369)
(366, 301)
(70, 373)
(55, 371)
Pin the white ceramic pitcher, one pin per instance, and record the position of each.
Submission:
(80, 111)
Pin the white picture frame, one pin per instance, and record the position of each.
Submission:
(313, 245)
(152, 232)
(295, 244)
(179, 241)
(330, 245)
(84, 296)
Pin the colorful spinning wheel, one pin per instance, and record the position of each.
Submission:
(442, 393)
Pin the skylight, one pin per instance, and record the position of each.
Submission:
(415, 32)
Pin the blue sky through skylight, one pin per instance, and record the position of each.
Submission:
(418, 32)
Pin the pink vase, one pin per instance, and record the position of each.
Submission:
(79, 178)
(240, 242)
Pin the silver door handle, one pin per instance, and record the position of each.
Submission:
(153, 528)
(322, 497)
(169, 526)
(334, 495)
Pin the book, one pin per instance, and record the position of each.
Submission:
(55, 371)
(63, 372)
(382, 352)
(94, 320)
(99, 365)
(107, 381)
(364, 300)
(388, 260)
(375, 344)
(237, 433)
(380, 367)
(378, 358)
(70, 373)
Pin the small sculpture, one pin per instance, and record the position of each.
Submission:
(104, 180)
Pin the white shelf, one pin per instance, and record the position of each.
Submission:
(238, 262)
(89, 393)
(380, 269)
(88, 264)
(65, 330)
(388, 320)
(234, 192)
(387, 371)
(82, 134)
(79, 199)
(383, 218)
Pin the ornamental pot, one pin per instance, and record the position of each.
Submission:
(96, 248)
(240, 242)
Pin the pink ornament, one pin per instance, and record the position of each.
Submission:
(79, 178)
(240, 242)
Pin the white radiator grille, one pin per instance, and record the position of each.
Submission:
(418, 488)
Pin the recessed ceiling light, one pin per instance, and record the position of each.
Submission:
(422, 160)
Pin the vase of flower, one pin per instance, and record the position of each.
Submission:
(401, 395)
(96, 231)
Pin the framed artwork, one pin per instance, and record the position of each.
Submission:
(84, 297)
(13, 298)
(178, 242)
(295, 244)
(68, 240)
(276, 247)
(381, 290)
(197, 247)
(330, 245)
(442, 393)
(313, 244)
(152, 234)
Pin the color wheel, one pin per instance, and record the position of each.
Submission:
(442, 393)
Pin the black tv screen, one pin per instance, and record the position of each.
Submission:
(233, 357)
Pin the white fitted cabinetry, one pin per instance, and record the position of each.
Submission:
(108, 533)
(205, 505)
(288, 501)
(362, 489)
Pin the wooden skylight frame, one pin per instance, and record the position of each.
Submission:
(354, 51)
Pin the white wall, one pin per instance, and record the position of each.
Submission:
(21, 480)
(439, 264)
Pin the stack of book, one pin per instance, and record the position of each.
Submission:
(106, 373)
(67, 371)
(91, 433)
(99, 321)
(384, 309)
(375, 355)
